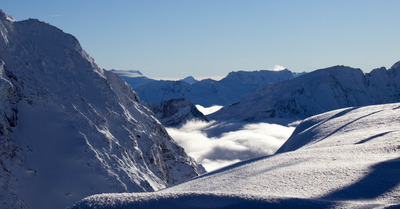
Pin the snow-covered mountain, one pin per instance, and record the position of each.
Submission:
(347, 158)
(233, 88)
(69, 129)
(190, 80)
(176, 112)
(317, 92)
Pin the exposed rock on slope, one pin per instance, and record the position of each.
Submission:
(69, 129)
(347, 158)
(176, 112)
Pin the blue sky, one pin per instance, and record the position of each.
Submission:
(177, 38)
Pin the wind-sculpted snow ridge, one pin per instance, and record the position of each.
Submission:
(347, 158)
(316, 92)
(69, 129)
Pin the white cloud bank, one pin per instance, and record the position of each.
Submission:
(250, 141)
(277, 68)
(208, 110)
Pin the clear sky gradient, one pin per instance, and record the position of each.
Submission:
(177, 38)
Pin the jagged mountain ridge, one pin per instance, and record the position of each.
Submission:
(316, 92)
(69, 129)
(233, 88)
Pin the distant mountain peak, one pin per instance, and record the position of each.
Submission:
(190, 80)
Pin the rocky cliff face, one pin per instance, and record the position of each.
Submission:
(69, 129)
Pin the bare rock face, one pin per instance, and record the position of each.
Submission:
(69, 129)
(176, 112)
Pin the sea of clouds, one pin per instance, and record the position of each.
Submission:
(218, 144)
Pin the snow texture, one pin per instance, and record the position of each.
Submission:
(316, 92)
(347, 158)
(69, 129)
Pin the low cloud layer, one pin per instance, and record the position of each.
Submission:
(208, 110)
(277, 68)
(246, 142)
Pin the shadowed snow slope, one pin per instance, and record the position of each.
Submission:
(69, 129)
(344, 158)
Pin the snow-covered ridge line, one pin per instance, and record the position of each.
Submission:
(233, 88)
(316, 92)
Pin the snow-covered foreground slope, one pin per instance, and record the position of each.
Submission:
(316, 92)
(69, 129)
(347, 158)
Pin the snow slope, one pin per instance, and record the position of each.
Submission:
(69, 129)
(316, 92)
(346, 158)
(233, 88)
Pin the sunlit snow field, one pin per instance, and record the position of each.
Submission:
(216, 144)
